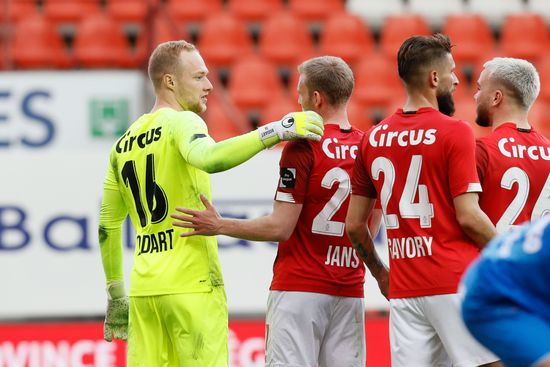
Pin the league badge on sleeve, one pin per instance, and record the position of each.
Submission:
(288, 177)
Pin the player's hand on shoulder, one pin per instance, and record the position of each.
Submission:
(202, 222)
(294, 126)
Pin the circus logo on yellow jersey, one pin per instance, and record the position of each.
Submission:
(128, 142)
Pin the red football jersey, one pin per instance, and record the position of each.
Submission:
(416, 163)
(514, 168)
(318, 256)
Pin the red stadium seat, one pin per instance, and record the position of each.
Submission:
(221, 119)
(193, 10)
(346, 35)
(279, 107)
(18, 9)
(253, 83)
(471, 35)
(223, 39)
(285, 39)
(163, 29)
(543, 67)
(100, 42)
(397, 28)
(254, 10)
(524, 36)
(37, 44)
(315, 10)
(538, 117)
(128, 10)
(69, 10)
(359, 116)
(377, 82)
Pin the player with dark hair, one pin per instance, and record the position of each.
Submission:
(177, 312)
(315, 311)
(507, 300)
(513, 162)
(420, 163)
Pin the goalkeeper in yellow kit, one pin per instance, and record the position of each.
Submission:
(176, 314)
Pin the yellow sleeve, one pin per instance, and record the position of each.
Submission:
(202, 152)
(112, 213)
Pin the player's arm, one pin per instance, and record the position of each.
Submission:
(277, 226)
(112, 214)
(204, 153)
(359, 210)
(473, 221)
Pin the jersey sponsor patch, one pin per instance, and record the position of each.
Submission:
(288, 177)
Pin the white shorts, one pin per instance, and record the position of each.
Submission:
(306, 329)
(429, 332)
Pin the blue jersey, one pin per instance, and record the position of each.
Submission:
(514, 269)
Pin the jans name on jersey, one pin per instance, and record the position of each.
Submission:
(410, 247)
(154, 242)
(343, 256)
(126, 142)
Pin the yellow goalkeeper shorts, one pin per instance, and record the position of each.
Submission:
(185, 330)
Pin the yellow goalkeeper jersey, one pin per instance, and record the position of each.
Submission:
(147, 177)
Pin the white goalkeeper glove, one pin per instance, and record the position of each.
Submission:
(294, 126)
(116, 317)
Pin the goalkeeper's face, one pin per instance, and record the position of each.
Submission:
(191, 82)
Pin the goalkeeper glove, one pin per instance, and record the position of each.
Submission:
(116, 317)
(294, 126)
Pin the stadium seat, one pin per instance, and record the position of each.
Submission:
(465, 109)
(17, 9)
(543, 67)
(221, 119)
(254, 10)
(471, 35)
(69, 10)
(253, 83)
(524, 36)
(285, 39)
(128, 10)
(359, 116)
(162, 29)
(315, 10)
(279, 107)
(397, 28)
(373, 12)
(538, 117)
(37, 44)
(346, 35)
(435, 12)
(100, 42)
(539, 7)
(193, 10)
(494, 11)
(377, 82)
(223, 39)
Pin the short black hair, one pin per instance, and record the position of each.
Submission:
(417, 52)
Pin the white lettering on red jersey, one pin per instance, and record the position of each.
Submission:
(514, 168)
(318, 257)
(416, 164)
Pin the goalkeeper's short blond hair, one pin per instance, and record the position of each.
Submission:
(165, 59)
